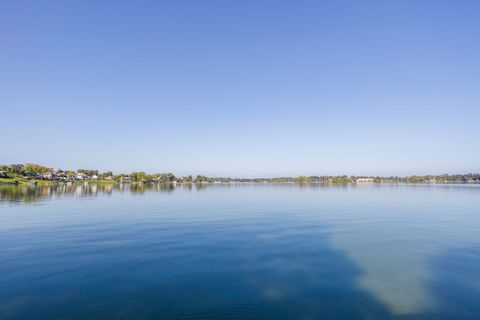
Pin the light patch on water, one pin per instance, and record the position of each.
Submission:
(393, 249)
(399, 281)
(404, 291)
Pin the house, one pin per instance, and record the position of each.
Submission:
(33, 175)
(365, 180)
(61, 175)
(82, 176)
(48, 175)
(3, 174)
(94, 177)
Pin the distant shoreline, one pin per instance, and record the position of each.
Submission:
(33, 174)
(24, 182)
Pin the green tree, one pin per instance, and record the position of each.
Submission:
(201, 179)
(303, 179)
(15, 170)
(138, 176)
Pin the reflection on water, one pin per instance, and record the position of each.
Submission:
(240, 251)
(32, 193)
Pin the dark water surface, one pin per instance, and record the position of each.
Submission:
(240, 252)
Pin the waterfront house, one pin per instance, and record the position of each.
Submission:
(48, 175)
(82, 176)
(364, 180)
(61, 175)
(32, 175)
(3, 174)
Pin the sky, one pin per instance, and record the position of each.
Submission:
(242, 88)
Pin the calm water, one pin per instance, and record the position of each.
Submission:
(240, 252)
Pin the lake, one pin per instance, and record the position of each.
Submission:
(240, 251)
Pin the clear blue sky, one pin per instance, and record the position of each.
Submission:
(242, 88)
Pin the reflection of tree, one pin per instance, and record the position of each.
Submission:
(201, 186)
(32, 193)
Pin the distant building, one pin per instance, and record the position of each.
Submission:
(125, 179)
(82, 176)
(365, 180)
(33, 175)
(61, 175)
(48, 175)
(3, 174)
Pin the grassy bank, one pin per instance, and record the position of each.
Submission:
(8, 181)
(24, 181)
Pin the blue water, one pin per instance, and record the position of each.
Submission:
(240, 252)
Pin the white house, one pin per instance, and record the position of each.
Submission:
(365, 180)
(48, 175)
(82, 176)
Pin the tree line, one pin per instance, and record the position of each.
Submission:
(36, 171)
